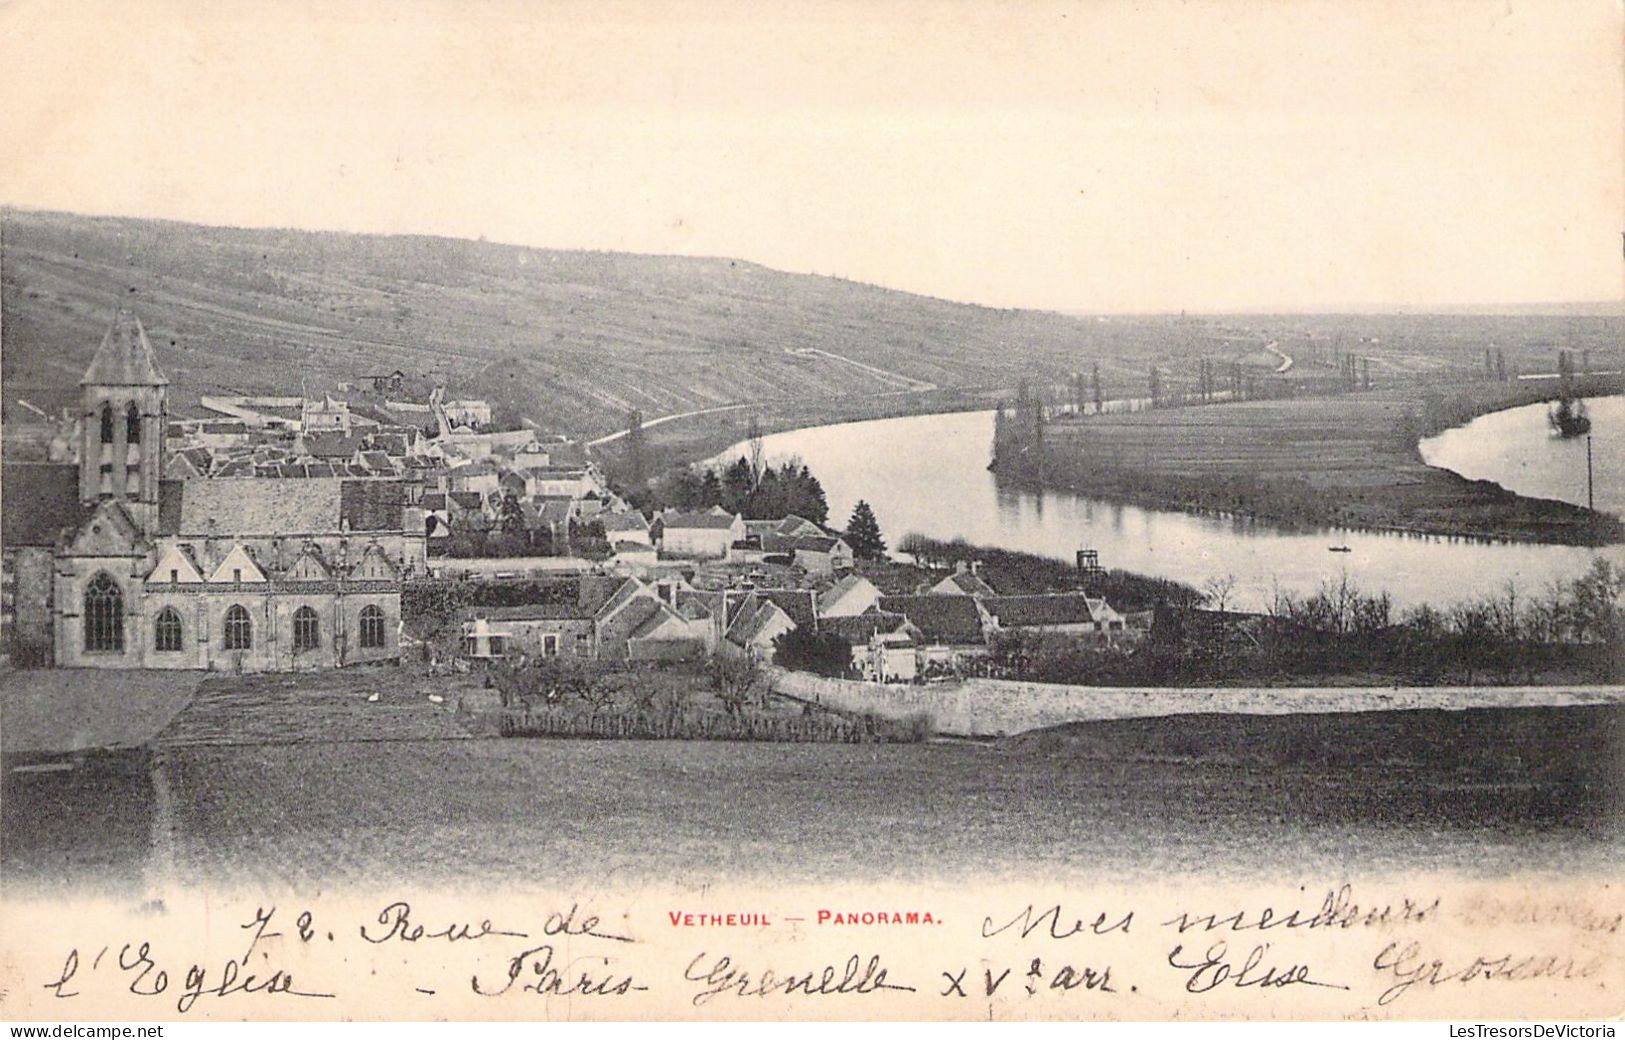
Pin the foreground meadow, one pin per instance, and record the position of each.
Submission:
(1480, 792)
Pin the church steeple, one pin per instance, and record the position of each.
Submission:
(125, 357)
(123, 418)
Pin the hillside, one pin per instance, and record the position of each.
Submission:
(570, 340)
(573, 341)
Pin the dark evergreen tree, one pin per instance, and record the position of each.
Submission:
(512, 516)
(802, 649)
(811, 502)
(863, 533)
(738, 482)
(711, 492)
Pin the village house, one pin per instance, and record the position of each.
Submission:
(466, 444)
(792, 526)
(374, 464)
(630, 556)
(553, 516)
(574, 482)
(481, 478)
(1061, 613)
(220, 433)
(536, 630)
(532, 456)
(642, 622)
(854, 594)
(966, 580)
(706, 535)
(189, 464)
(628, 526)
(821, 555)
(446, 512)
(753, 618)
(756, 624)
(885, 647)
(387, 382)
(471, 413)
(394, 441)
(618, 619)
(329, 445)
(952, 629)
(325, 414)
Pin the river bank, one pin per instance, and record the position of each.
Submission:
(1346, 461)
(696, 438)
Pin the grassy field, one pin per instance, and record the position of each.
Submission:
(88, 827)
(1481, 792)
(48, 710)
(575, 340)
(1345, 460)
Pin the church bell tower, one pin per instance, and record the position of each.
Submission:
(124, 414)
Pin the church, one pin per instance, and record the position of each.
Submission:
(113, 566)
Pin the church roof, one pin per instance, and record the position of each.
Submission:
(125, 357)
(270, 506)
(38, 501)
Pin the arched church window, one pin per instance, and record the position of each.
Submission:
(239, 629)
(132, 424)
(104, 616)
(306, 630)
(107, 424)
(372, 628)
(166, 630)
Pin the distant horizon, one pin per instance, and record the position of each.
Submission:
(1579, 308)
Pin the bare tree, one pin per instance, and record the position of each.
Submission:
(1504, 614)
(758, 455)
(737, 681)
(1217, 589)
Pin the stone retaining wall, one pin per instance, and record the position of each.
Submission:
(997, 707)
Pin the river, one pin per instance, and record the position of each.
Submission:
(1516, 449)
(929, 474)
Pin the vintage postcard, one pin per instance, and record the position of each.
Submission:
(902, 510)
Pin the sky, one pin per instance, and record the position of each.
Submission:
(1103, 156)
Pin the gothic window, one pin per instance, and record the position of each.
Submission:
(104, 615)
(372, 628)
(132, 424)
(305, 631)
(166, 630)
(107, 424)
(239, 629)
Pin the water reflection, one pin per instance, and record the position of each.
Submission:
(929, 474)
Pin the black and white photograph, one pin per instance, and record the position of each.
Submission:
(787, 511)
